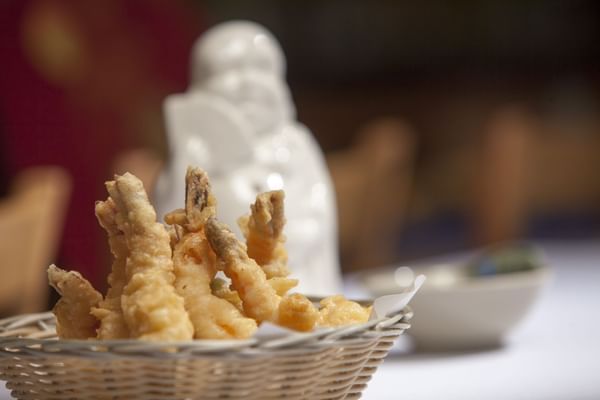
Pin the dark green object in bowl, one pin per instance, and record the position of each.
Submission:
(505, 259)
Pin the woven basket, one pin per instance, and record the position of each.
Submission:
(328, 364)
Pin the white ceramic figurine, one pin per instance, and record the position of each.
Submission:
(238, 122)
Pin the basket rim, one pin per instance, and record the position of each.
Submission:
(13, 344)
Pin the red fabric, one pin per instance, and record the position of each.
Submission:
(138, 53)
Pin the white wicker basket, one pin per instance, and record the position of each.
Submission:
(329, 364)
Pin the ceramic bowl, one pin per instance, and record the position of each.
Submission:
(454, 311)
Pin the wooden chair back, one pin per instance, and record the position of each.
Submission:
(373, 182)
(31, 221)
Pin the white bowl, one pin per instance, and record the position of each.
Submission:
(453, 311)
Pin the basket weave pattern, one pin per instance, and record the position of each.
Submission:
(327, 364)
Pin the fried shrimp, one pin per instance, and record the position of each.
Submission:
(260, 300)
(72, 311)
(338, 311)
(221, 288)
(194, 266)
(298, 313)
(190, 278)
(211, 316)
(112, 322)
(263, 230)
(151, 307)
(282, 285)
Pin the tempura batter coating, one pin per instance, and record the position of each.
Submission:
(260, 300)
(194, 263)
(112, 322)
(211, 316)
(151, 307)
(282, 285)
(298, 313)
(175, 233)
(221, 288)
(338, 311)
(200, 204)
(263, 230)
(72, 311)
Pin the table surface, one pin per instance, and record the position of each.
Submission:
(553, 354)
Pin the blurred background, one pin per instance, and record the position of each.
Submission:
(446, 125)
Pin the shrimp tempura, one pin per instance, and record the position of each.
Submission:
(338, 311)
(112, 322)
(263, 230)
(260, 300)
(72, 311)
(297, 312)
(151, 307)
(194, 264)
(220, 288)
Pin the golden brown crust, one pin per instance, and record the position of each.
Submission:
(337, 311)
(163, 283)
(112, 322)
(263, 230)
(151, 307)
(260, 300)
(298, 313)
(72, 311)
(200, 204)
(194, 263)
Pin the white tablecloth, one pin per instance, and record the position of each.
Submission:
(554, 354)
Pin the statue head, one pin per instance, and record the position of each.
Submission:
(243, 62)
(236, 45)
